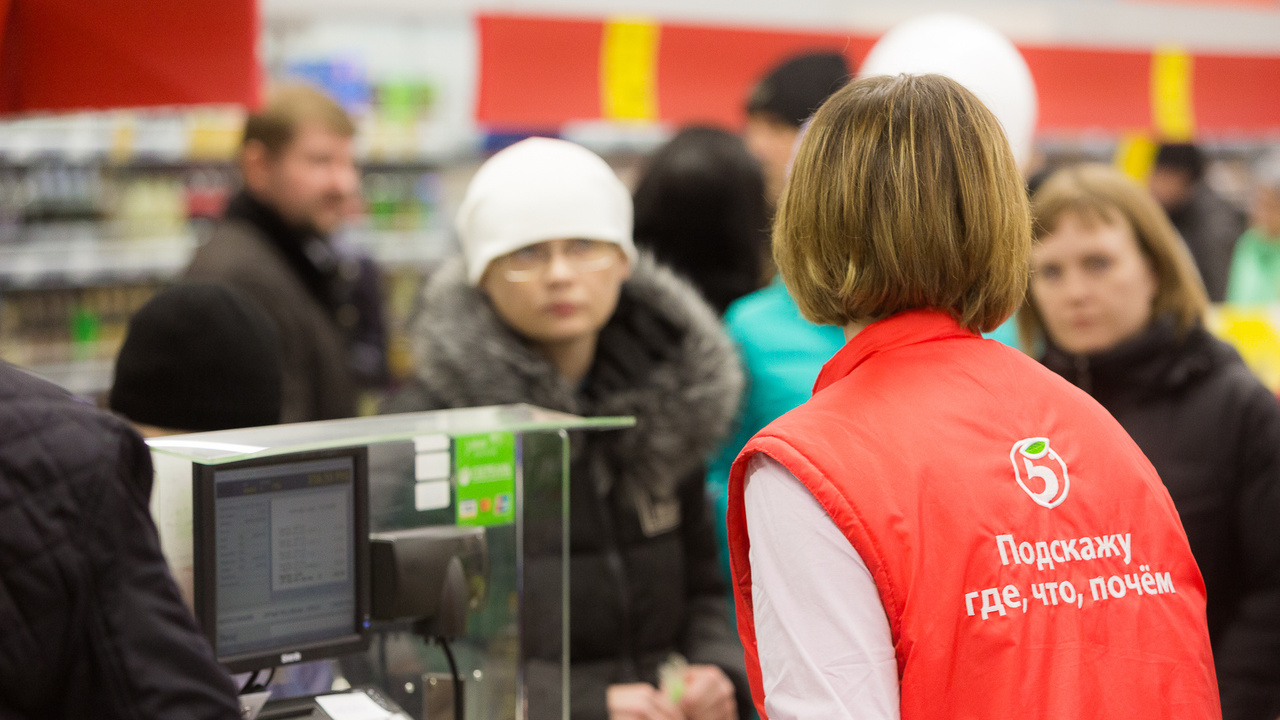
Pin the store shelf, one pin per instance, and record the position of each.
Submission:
(180, 164)
(404, 248)
(85, 260)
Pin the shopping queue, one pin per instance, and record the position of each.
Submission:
(944, 529)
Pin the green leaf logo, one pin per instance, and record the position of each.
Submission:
(1035, 447)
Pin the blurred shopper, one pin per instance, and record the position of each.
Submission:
(198, 357)
(1255, 267)
(781, 351)
(299, 175)
(1115, 297)
(781, 102)
(928, 455)
(91, 622)
(1207, 222)
(552, 306)
(700, 209)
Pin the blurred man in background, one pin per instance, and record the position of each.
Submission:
(781, 103)
(298, 165)
(1255, 267)
(781, 351)
(1207, 222)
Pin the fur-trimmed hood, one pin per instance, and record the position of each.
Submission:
(663, 358)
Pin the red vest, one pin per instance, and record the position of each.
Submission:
(1030, 562)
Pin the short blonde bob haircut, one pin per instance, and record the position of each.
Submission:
(1097, 193)
(904, 195)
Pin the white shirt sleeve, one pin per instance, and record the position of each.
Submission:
(826, 652)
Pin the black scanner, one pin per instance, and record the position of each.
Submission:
(430, 576)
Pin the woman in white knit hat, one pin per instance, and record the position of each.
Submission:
(551, 305)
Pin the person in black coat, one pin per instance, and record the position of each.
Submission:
(1209, 224)
(1118, 304)
(781, 102)
(552, 305)
(91, 622)
(278, 243)
(700, 208)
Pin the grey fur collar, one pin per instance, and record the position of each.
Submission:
(467, 357)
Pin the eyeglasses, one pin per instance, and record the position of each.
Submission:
(533, 261)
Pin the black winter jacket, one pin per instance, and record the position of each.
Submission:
(644, 579)
(1212, 431)
(91, 623)
(1210, 226)
(296, 278)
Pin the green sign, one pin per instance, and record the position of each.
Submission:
(485, 477)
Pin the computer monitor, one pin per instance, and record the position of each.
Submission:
(282, 557)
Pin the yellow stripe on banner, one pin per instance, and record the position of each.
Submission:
(1172, 111)
(629, 70)
(1135, 156)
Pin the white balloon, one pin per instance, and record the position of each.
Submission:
(974, 55)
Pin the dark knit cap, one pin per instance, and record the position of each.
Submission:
(794, 89)
(199, 357)
(1184, 157)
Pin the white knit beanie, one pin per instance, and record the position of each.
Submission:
(537, 190)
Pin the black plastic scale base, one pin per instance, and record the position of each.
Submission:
(309, 707)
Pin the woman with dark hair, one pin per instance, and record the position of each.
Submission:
(946, 529)
(1118, 304)
(700, 208)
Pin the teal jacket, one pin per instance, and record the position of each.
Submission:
(781, 354)
(1255, 270)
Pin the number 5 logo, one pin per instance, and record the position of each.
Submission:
(1036, 467)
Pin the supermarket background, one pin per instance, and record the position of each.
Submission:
(121, 118)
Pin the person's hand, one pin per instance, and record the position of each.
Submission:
(640, 701)
(708, 694)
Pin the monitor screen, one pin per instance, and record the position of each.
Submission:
(281, 557)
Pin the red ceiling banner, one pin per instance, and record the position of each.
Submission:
(92, 54)
(705, 74)
(541, 72)
(1237, 93)
(538, 73)
(1080, 90)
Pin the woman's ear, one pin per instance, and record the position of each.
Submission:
(626, 266)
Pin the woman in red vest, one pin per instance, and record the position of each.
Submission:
(946, 529)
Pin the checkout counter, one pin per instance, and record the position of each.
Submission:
(425, 553)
